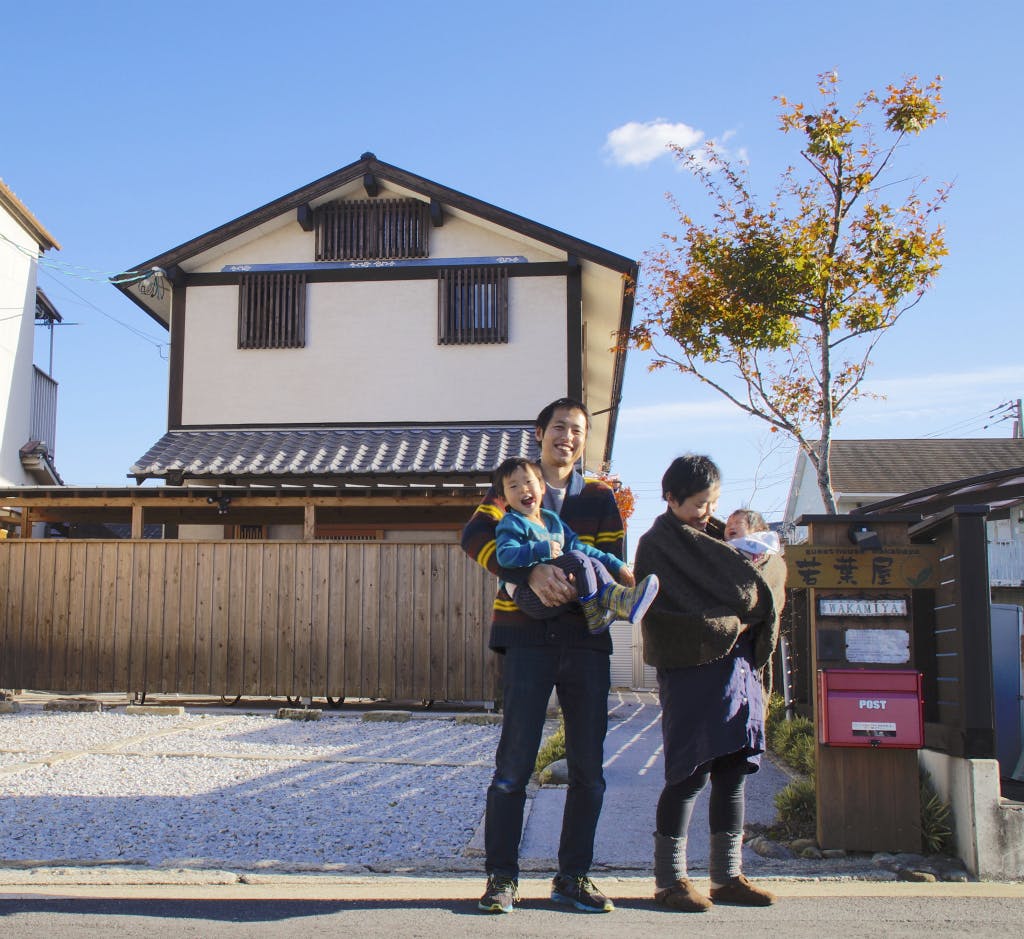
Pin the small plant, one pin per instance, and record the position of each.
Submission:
(936, 833)
(797, 808)
(551, 749)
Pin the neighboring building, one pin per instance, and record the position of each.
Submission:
(28, 394)
(867, 472)
(377, 329)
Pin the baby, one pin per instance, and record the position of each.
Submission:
(747, 531)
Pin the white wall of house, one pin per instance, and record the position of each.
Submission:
(17, 292)
(363, 342)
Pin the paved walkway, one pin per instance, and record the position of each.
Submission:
(634, 773)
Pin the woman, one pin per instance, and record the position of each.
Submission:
(710, 633)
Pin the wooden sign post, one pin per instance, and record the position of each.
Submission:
(861, 576)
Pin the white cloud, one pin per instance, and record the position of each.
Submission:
(636, 144)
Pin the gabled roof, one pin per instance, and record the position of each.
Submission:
(366, 454)
(997, 490)
(903, 466)
(20, 213)
(369, 167)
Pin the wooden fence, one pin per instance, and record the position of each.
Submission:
(381, 620)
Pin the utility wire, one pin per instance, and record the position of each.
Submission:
(160, 346)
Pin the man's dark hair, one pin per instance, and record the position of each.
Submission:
(688, 475)
(507, 468)
(544, 418)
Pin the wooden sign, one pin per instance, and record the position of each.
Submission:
(912, 566)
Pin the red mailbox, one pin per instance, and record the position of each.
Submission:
(861, 708)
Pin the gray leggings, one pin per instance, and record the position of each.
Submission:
(728, 774)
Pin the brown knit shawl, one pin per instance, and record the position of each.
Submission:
(708, 592)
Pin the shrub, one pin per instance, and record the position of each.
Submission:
(551, 749)
(796, 805)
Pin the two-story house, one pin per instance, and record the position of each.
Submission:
(348, 363)
(380, 331)
(28, 394)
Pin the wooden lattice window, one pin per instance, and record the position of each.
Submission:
(372, 229)
(272, 310)
(472, 305)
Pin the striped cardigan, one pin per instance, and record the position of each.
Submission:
(590, 510)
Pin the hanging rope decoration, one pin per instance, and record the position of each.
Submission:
(151, 282)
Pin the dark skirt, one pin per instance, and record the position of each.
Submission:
(711, 710)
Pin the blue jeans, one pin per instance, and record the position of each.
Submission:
(582, 679)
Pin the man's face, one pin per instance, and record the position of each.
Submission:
(562, 441)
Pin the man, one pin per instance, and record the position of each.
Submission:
(540, 654)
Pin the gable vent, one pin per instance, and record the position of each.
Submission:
(372, 229)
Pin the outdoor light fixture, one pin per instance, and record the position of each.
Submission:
(222, 503)
(866, 539)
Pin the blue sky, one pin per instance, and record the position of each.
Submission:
(128, 128)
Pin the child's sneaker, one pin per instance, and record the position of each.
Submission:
(645, 592)
(599, 618)
(631, 602)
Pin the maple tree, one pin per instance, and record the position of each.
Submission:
(624, 498)
(778, 309)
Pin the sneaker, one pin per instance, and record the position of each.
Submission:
(581, 893)
(501, 895)
(738, 891)
(601, 623)
(644, 594)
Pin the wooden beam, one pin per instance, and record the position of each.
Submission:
(176, 370)
(136, 521)
(574, 329)
(370, 184)
(436, 213)
(304, 215)
(309, 523)
(26, 522)
(176, 275)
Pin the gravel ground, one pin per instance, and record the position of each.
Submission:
(240, 791)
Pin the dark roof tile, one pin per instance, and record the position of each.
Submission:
(898, 466)
(335, 452)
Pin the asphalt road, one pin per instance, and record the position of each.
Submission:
(804, 911)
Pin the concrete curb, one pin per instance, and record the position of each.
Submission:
(127, 882)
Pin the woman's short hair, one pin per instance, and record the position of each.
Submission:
(688, 475)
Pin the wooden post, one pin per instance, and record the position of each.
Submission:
(309, 522)
(970, 538)
(26, 522)
(136, 521)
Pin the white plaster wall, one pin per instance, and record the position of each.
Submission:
(17, 292)
(282, 241)
(372, 355)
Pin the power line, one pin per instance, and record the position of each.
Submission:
(159, 346)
